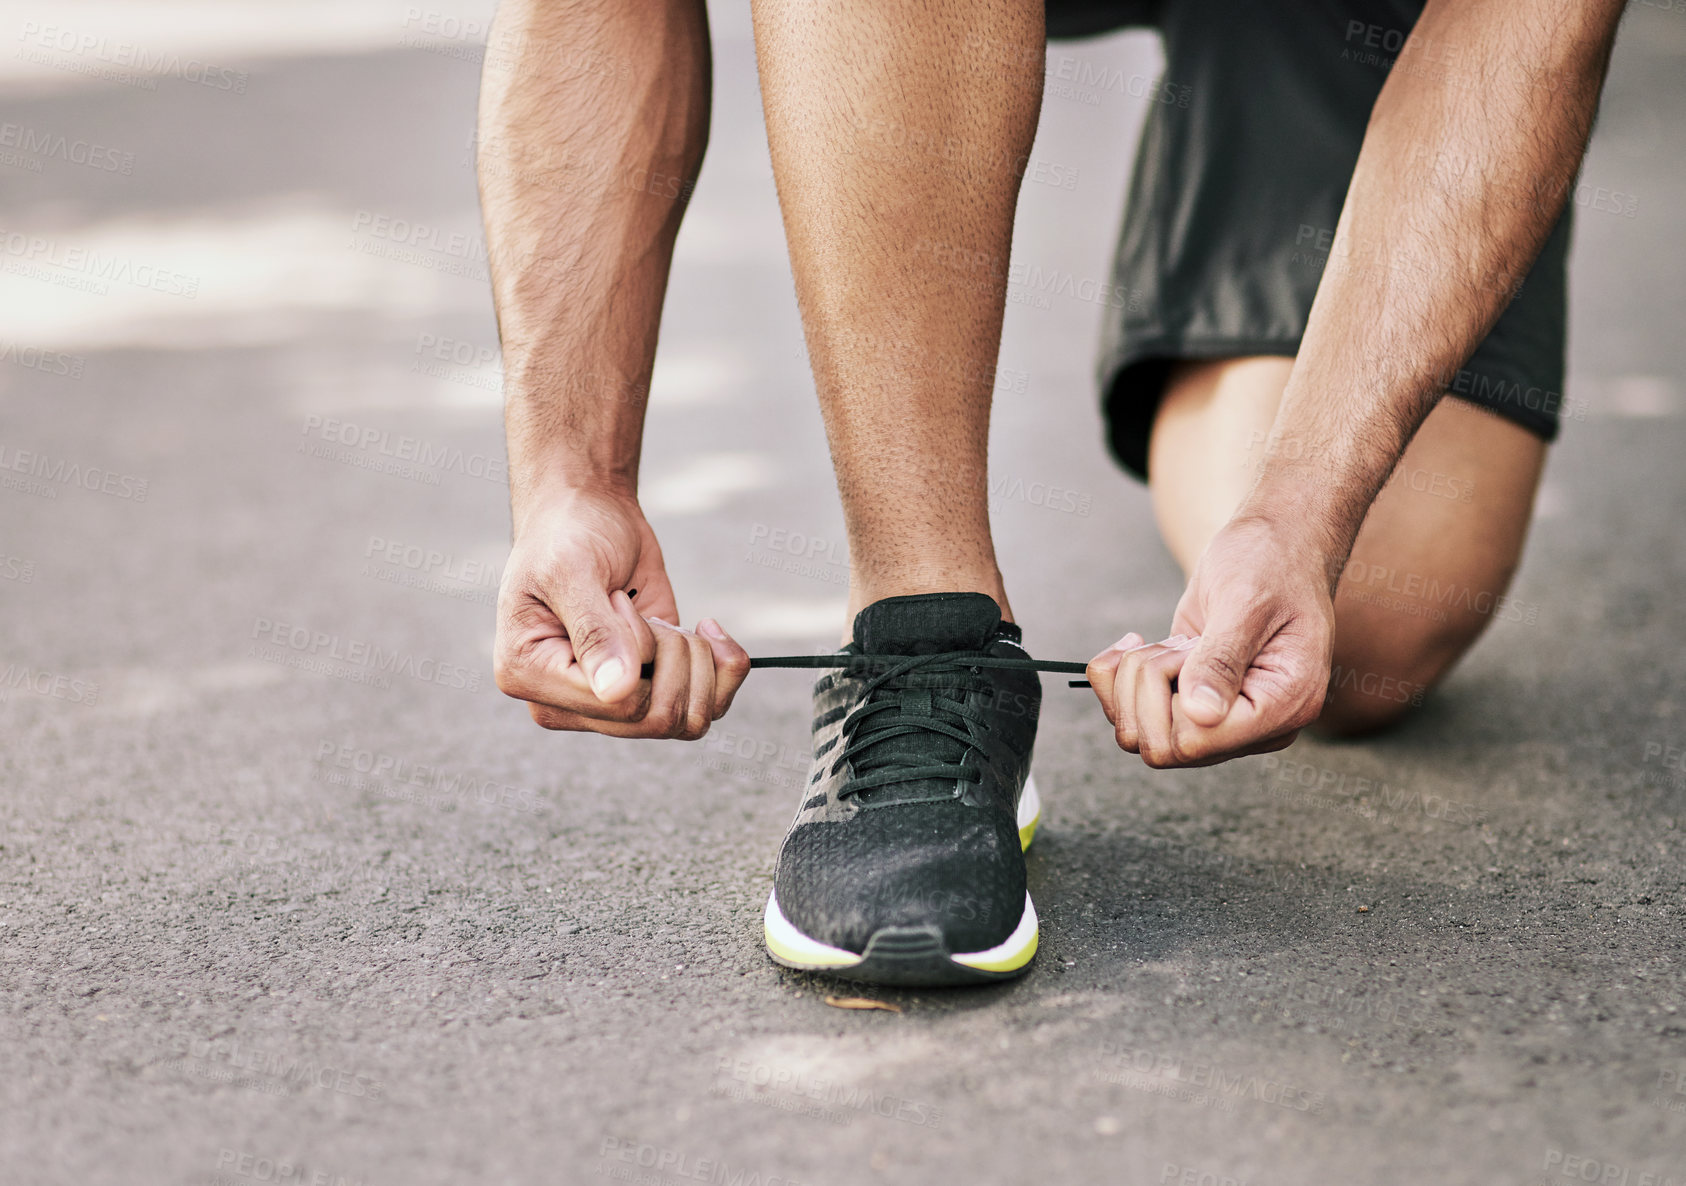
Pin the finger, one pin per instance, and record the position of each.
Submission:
(699, 698)
(1191, 757)
(670, 685)
(1218, 666)
(561, 719)
(1102, 672)
(1128, 725)
(533, 661)
(1154, 676)
(731, 664)
(1261, 716)
(606, 636)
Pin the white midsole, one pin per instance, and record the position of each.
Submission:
(799, 948)
(1030, 803)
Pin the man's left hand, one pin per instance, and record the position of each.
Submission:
(1247, 664)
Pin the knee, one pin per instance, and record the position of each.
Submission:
(1383, 671)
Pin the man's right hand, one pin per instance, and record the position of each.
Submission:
(585, 602)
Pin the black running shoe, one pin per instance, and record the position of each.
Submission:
(905, 864)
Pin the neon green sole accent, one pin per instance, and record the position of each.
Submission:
(804, 959)
(1028, 832)
(1011, 963)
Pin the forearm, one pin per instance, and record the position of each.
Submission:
(593, 120)
(1470, 153)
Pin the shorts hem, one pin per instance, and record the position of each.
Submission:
(1133, 384)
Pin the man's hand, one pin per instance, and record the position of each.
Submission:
(1420, 270)
(585, 603)
(1247, 665)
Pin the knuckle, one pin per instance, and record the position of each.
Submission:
(664, 720)
(548, 718)
(589, 635)
(1225, 663)
(508, 675)
(1183, 752)
(1305, 714)
(697, 722)
(634, 708)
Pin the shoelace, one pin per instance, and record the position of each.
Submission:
(966, 658)
(915, 710)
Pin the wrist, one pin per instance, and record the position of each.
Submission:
(538, 490)
(1303, 530)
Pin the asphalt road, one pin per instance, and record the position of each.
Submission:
(290, 893)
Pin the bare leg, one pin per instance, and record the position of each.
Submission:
(899, 132)
(1432, 561)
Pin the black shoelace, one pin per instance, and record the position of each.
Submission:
(906, 711)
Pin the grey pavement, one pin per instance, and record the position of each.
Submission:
(290, 893)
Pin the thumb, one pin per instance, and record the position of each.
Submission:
(610, 642)
(1217, 663)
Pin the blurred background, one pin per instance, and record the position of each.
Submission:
(289, 892)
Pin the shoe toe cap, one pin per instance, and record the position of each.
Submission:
(839, 886)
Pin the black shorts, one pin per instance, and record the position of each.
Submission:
(1239, 179)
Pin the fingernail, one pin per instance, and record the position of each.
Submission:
(1176, 640)
(1131, 639)
(711, 628)
(607, 676)
(1209, 696)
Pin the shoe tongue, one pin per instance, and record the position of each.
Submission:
(928, 624)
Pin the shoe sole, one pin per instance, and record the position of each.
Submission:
(914, 957)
